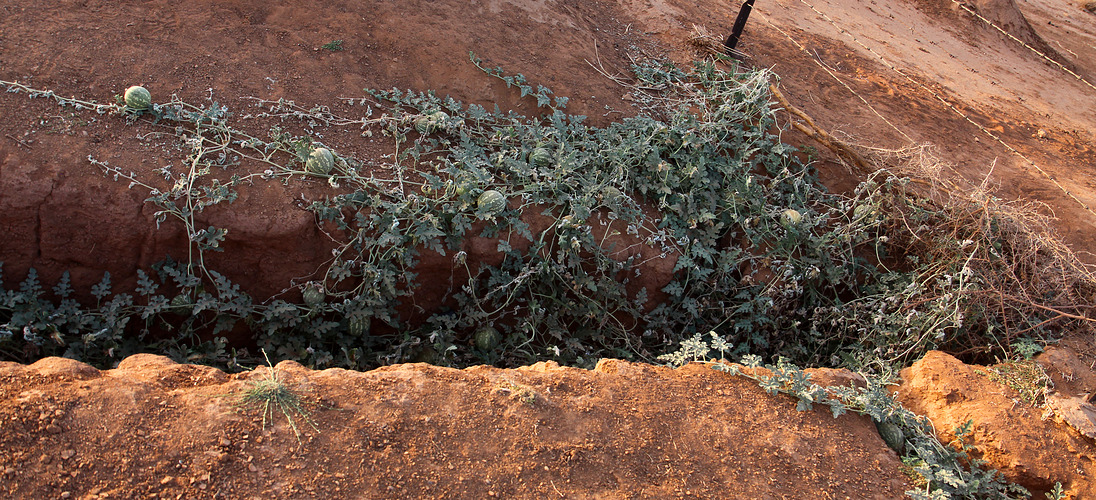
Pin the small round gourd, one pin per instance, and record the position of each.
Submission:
(612, 197)
(138, 97)
(429, 121)
(313, 296)
(863, 211)
(181, 304)
(358, 326)
(734, 199)
(491, 202)
(791, 217)
(892, 434)
(487, 338)
(425, 354)
(540, 157)
(424, 125)
(320, 162)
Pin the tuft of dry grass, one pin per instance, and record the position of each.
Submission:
(271, 394)
(1026, 376)
(705, 43)
(519, 392)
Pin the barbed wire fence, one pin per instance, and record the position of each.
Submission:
(1049, 59)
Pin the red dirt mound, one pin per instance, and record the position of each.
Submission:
(625, 430)
(1015, 438)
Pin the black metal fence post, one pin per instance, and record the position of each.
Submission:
(739, 24)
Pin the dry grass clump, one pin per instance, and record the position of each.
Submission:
(705, 43)
(999, 262)
(271, 395)
(708, 45)
(962, 270)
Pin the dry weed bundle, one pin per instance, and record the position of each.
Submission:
(705, 43)
(997, 263)
(961, 269)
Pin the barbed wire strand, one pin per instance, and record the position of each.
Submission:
(825, 68)
(828, 140)
(952, 107)
(1025, 44)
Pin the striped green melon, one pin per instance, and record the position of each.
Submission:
(181, 304)
(425, 354)
(892, 434)
(487, 338)
(612, 197)
(424, 125)
(138, 97)
(734, 199)
(358, 326)
(313, 295)
(540, 157)
(320, 162)
(491, 202)
(429, 121)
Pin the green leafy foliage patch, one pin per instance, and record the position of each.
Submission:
(615, 241)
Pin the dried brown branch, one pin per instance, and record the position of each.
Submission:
(842, 150)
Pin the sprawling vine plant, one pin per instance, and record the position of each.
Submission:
(690, 216)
